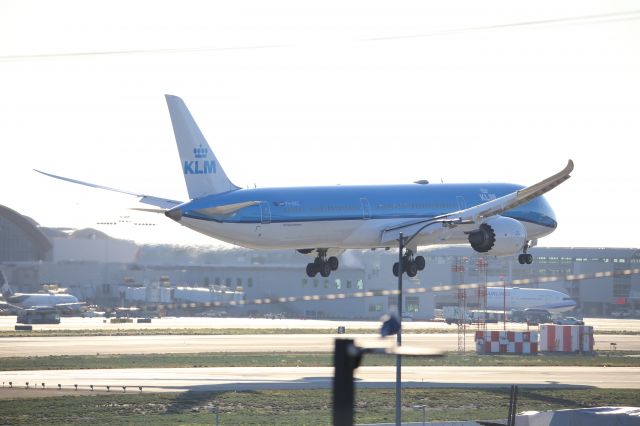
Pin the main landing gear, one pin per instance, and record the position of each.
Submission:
(322, 265)
(524, 257)
(410, 265)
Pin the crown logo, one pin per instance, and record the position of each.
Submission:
(200, 152)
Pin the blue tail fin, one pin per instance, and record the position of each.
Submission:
(203, 173)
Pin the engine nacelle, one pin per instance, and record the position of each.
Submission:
(499, 236)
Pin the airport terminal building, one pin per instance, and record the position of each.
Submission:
(106, 271)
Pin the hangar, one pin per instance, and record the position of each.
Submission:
(21, 238)
(98, 268)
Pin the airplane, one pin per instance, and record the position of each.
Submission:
(528, 298)
(19, 301)
(496, 219)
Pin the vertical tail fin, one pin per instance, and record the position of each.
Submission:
(4, 286)
(203, 174)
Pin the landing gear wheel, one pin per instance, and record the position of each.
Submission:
(525, 258)
(311, 270)
(420, 262)
(396, 269)
(325, 269)
(333, 263)
(412, 269)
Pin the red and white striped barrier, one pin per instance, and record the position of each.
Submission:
(506, 342)
(566, 338)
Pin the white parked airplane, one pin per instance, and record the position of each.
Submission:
(496, 219)
(528, 298)
(63, 302)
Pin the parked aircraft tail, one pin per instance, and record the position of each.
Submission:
(203, 174)
(4, 286)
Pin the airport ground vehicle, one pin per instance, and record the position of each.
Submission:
(454, 315)
(569, 321)
(131, 313)
(39, 315)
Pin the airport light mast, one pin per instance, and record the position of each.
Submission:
(399, 335)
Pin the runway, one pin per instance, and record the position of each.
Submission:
(91, 345)
(254, 378)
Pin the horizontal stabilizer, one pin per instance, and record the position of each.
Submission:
(163, 203)
(162, 211)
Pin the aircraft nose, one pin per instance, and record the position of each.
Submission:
(570, 303)
(175, 214)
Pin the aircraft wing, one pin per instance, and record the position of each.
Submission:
(70, 308)
(70, 305)
(163, 203)
(477, 213)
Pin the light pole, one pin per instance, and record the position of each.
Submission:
(504, 303)
(401, 244)
(424, 413)
(216, 410)
(399, 335)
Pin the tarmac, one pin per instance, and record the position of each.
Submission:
(247, 343)
(256, 378)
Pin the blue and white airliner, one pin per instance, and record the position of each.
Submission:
(528, 298)
(496, 219)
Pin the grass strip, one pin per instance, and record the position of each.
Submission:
(291, 359)
(299, 407)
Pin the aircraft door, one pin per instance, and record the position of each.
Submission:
(462, 204)
(265, 212)
(366, 208)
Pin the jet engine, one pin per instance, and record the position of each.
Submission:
(499, 236)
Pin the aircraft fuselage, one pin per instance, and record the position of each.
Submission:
(349, 216)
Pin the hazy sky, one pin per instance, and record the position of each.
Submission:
(322, 92)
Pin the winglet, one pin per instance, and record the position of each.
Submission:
(481, 211)
(545, 185)
(517, 198)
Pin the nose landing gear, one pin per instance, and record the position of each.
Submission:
(524, 257)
